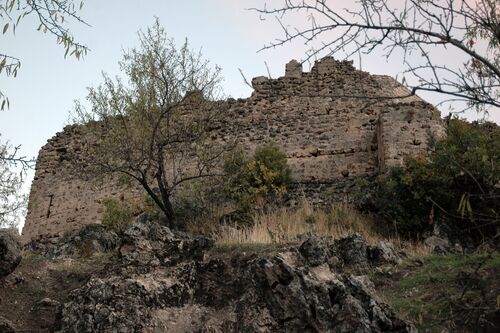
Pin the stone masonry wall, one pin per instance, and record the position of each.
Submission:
(334, 123)
(60, 200)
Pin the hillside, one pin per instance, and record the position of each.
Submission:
(152, 279)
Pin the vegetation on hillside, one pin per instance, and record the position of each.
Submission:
(453, 292)
(457, 184)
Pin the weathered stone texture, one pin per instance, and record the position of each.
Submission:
(333, 122)
(61, 198)
(10, 251)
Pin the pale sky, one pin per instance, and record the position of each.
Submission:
(47, 84)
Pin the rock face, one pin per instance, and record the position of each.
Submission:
(166, 283)
(91, 239)
(351, 252)
(6, 326)
(334, 123)
(10, 251)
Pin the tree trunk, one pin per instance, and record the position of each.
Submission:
(163, 202)
(169, 212)
(167, 207)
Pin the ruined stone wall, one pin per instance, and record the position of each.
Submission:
(60, 200)
(333, 123)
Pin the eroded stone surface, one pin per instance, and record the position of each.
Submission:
(87, 241)
(172, 289)
(10, 251)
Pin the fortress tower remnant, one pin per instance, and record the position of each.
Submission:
(333, 123)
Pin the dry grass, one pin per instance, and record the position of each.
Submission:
(287, 225)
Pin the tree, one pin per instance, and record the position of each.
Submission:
(156, 127)
(417, 31)
(53, 17)
(11, 199)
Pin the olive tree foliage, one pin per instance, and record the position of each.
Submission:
(53, 17)
(13, 168)
(154, 125)
(426, 35)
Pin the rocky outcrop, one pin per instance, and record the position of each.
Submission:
(89, 240)
(351, 253)
(10, 251)
(151, 244)
(167, 282)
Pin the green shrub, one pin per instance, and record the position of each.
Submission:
(263, 174)
(118, 214)
(252, 180)
(271, 171)
(189, 205)
(456, 183)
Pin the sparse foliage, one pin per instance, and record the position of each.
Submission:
(419, 32)
(53, 17)
(12, 170)
(156, 126)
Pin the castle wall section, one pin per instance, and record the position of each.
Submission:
(62, 198)
(334, 123)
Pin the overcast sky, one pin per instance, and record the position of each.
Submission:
(229, 35)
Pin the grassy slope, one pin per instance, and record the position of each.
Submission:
(438, 292)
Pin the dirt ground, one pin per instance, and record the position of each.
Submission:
(30, 297)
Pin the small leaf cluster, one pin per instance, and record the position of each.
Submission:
(13, 168)
(54, 17)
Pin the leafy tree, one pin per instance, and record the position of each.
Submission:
(418, 32)
(156, 126)
(12, 201)
(53, 17)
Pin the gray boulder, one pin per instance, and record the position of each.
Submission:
(10, 251)
(147, 242)
(350, 252)
(384, 253)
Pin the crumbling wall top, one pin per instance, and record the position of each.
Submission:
(329, 65)
(328, 77)
(293, 69)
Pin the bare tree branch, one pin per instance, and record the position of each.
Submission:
(422, 27)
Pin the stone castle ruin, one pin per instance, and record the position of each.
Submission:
(333, 123)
